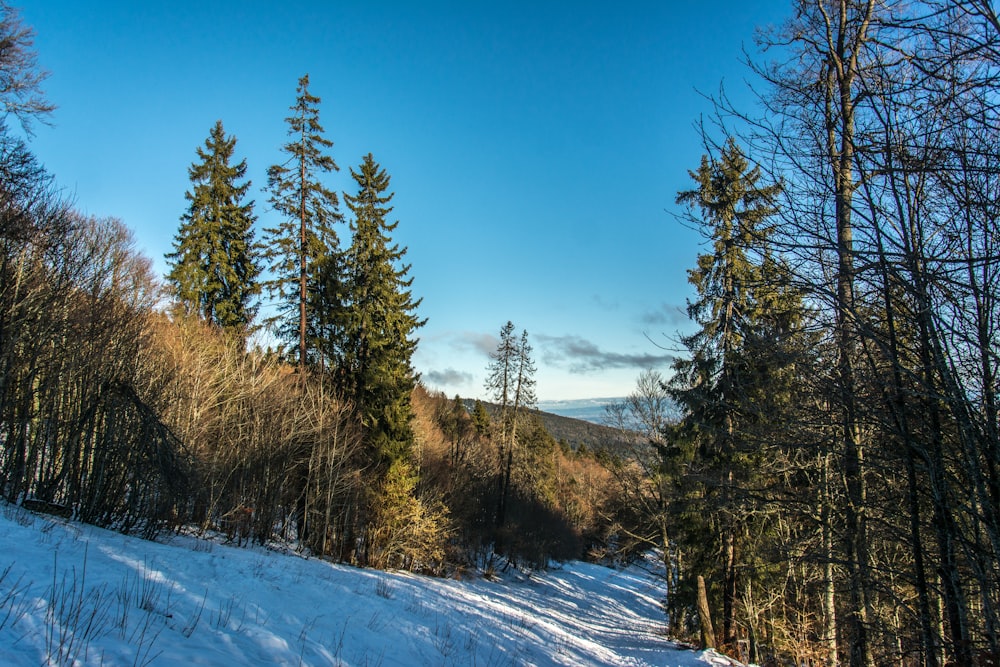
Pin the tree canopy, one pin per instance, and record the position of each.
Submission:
(310, 211)
(214, 265)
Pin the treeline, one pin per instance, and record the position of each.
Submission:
(144, 410)
(833, 476)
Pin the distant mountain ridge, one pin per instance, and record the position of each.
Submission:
(573, 430)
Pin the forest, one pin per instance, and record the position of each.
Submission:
(819, 471)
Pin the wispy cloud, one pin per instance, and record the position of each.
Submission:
(448, 377)
(465, 341)
(579, 355)
(482, 343)
(666, 314)
(605, 304)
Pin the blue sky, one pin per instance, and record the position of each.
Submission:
(535, 148)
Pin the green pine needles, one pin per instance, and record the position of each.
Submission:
(736, 379)
(214, 265)
(349, 313)
(305, 237)
(372, 318)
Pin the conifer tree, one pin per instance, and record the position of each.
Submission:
(372, 332)
(214, 265)
(480, 418)
(743, 306)
(306, 236)
(511, 381)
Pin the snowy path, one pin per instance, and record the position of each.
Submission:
(96, 597)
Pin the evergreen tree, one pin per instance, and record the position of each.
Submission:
(511, 382)
(480, 418)
(306, 237)
(371, 334)
(214, 265)
(745, 309)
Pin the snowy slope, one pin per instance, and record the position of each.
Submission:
(75, 594)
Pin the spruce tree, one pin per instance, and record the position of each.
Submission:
(511, 381)
(371, 333)
(214, 265)
(306, 237)
(480, 418)
(745, 309)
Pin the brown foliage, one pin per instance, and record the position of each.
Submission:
(406, 531)
(77, 426)
(275, 452)
(558, 498)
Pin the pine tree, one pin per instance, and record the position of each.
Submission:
(404, 530)
(306, 237)
(214, 265)
(744, 308)
(511, 381)
(501, 373)
(371, 333)
(480, 418)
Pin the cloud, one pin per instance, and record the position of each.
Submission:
(667, 313)
(482, 343)
(580, 355)
(449, 377)
(604, 304)
(464, 341)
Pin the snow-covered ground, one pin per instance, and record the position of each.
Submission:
(72, 594)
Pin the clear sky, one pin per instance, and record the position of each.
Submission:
(535, 148)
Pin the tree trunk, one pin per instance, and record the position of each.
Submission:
(705, 616)
(843, 70)
(729, 592)
(913, 454)
(303, 249)
(829, 593)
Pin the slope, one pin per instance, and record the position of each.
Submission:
(570, 430)
(75, 594)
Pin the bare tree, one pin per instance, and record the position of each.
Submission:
(880, 119)
(640, 463)
(20, 77)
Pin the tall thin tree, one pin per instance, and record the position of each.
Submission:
(734, 302)
(299, 243)
(511, 383)
(818, 93)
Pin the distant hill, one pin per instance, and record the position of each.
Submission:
(576, 432)
(592, 410)
(572, 431)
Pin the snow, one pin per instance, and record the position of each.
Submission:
(72, 594)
